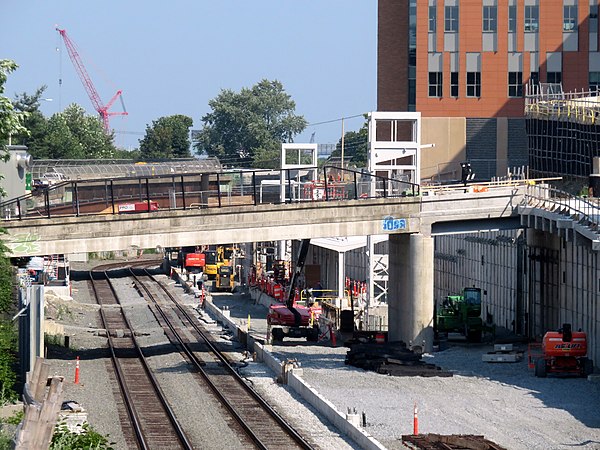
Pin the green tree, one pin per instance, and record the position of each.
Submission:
(355, 146)
(11, 121)
(247, 128)
(35, 122)
(72, 134)
(167, 138)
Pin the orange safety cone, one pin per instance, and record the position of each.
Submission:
(77, 371)
(332, 336)
(415, 421)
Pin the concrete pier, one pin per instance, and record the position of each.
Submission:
(411, 290)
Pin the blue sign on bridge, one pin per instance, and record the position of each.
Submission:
(392, 224)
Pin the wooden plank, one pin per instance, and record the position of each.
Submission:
(49, 414)
(39, 388)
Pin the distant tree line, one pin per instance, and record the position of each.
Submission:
(242, 129)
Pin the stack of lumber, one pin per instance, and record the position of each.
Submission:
(391, 358)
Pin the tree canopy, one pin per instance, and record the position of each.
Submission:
(72, 134)
(11, 120)
(355, 146)
(168, 137)
(247, 128)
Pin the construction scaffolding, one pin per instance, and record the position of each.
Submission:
(563, 131)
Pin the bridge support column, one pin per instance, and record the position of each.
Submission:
(410, 292)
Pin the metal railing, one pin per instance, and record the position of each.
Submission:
(203, 190)
(583, 210)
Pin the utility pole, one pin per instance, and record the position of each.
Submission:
(343, 147)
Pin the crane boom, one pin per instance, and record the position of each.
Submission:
(102, 109)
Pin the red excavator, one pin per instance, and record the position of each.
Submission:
(296, 320)
(564, 352)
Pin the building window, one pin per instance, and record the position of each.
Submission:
(435, 84)
(593, 11)
(532, 16)
(490, 19)
(534, 78)
(515, 84)
(554, 77)
(451, 19)
(512, 18)
(570, 18)
(432, 18)
(594, 80)
(473, 84)
(454, 84)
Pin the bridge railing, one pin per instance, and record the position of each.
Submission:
(221, 189)
(583, 210)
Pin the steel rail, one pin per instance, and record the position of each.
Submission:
(199, 364)
(132, 411)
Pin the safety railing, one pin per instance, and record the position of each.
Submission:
(583, 210)
(126, 195)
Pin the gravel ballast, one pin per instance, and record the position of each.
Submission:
(98, 394)
(504, 402)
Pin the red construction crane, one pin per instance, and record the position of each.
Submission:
(103, 110)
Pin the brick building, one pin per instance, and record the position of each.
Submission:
(464, 63)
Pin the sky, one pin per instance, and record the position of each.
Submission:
(174, 57)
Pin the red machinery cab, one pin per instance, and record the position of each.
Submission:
(564, 352)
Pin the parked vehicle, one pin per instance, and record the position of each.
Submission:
(49, 179)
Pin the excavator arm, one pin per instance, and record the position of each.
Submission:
(297, 271)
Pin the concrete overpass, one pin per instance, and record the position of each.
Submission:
(442, 211)
(410, 222)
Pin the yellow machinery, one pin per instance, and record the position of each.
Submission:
(222, 255)
(224, 280)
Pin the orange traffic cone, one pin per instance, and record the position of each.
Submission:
(77, 371)
(415, 421)
(332, 336)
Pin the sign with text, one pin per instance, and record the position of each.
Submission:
(390, 223)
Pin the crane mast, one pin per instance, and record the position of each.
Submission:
(103, 110)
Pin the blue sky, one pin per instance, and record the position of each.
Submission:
(173, 57)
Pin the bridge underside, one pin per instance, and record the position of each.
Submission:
(477, 225)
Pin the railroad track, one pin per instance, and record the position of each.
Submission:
(152, 420)
(263, 425)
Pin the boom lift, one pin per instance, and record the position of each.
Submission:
(564, 352)
(296, 320)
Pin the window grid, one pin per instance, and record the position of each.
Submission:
(532, 15)
(432, 19)
(594, 79)
(454, 84)
(473, 84)
(512, 18)
(490, 19)
(554, 77)
(570, 18)
(435, 84)
(451, 19)
(515, 84)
